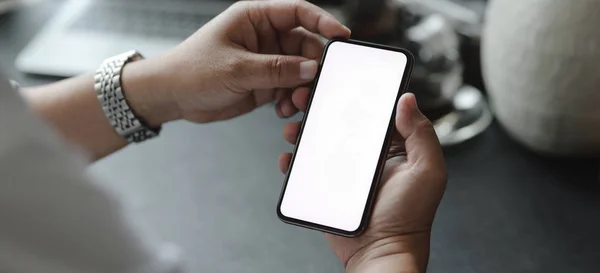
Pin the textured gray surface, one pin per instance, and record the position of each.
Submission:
(213, 190)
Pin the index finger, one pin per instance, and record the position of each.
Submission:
(287, 15)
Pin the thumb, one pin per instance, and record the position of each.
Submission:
(423, 148)
(280, 71)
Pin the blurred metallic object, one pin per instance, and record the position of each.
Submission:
(434, 31)
(459, 111)
(437, 74)
(471, 117)
(466, 17)
(437, 40)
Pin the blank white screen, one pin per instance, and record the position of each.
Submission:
(343, 136)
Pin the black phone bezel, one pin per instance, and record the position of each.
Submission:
(382, 157)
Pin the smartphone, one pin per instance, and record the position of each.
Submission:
(344, 138)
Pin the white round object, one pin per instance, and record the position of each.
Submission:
(541, 65)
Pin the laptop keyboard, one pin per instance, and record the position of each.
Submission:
(137, 21)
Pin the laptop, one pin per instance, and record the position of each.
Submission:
(85, 32)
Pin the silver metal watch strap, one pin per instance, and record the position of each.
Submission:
(107, 83)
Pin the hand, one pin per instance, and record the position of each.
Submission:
(413, 182)
(251, 54)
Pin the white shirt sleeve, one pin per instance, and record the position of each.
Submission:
(53, 217)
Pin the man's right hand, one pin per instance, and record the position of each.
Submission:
(413, 182)
(253, 53)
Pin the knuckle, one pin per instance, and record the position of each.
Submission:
(424, 129)
(294, 3)
(425, 125)
(276, 69)
(286, 3)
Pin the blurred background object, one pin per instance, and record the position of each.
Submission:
(541, 60)
(85, 32)
(438, 72)
(470, 117)
(465, 16)
(444, 37)
(8, 5)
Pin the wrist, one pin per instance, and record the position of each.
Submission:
(146, 91)
(399, 254)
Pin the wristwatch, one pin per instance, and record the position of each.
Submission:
(112, 97)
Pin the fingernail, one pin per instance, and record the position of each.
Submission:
(412, 102)
(416, 114)
(407, 105)
(347, 29)
(308, 70)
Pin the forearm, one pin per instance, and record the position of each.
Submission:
(409, 254)
(72, 108)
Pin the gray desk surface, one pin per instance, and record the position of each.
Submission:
(505, 210)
